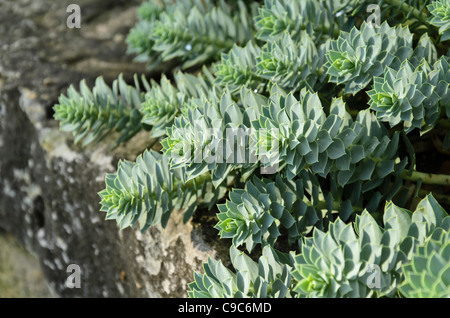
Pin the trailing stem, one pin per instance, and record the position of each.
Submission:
(428, 178)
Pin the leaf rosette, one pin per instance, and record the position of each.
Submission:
(366, 260)
(162, 103)
(357, 56)
(411, 95)
(440, 17)
(406, 96)
(427, 275)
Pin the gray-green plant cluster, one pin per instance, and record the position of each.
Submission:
(294, 121)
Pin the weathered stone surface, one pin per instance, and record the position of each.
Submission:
(48, 186)
(20, 274)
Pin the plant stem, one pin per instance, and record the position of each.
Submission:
(428, 178)
(405, 7)
(323, 205)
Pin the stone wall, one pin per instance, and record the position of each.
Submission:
(49, 186)
(20, 273)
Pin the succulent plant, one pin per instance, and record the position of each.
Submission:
(269, 277)
(200, 31)
(237, 68)
(161, 105)
(440, 17)
(359, 55)
(407, 96)
(359, 259)
(146, 191)
(282, 16)
(254, 215)
(268, 121)
(288, 63)
(310, 138)
(366, 260)
(164, 101)
(427, 275)
(443, 86)
(92, 114)
(412, 96)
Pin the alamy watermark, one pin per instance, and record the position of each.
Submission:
(374, 19)
(374, 279)
(232, 145)
(74, 19)
(74, 279)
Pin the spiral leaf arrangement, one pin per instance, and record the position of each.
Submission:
(440, 17)
(352, 260)
(294, 121)
(146, 191)
(411, 96)
(91, 114)
(427, 275)
(359, 55)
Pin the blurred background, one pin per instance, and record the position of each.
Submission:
(20, 273)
